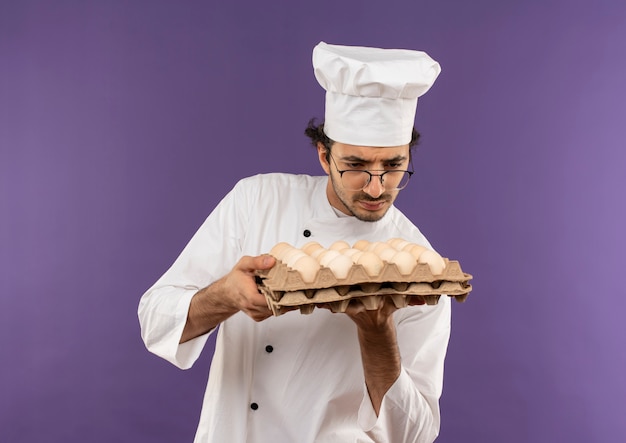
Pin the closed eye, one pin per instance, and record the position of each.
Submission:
(354, 165)
(394, 165)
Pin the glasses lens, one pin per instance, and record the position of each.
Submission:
(354, 180)
(396, 179)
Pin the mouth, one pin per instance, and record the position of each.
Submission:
(372, 205)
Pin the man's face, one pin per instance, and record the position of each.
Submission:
(373, 201)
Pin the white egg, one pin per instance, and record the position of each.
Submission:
(280, 249)
(340, 266)
(371, 263)
(307, 267)
(434, 261)
(339, 245)
(404, 261)
(327, 256)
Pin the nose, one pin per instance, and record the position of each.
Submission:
(375, 187)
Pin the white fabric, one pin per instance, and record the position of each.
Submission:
(371, 93)
(311, 387)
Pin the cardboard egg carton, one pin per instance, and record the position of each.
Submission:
(285, 290)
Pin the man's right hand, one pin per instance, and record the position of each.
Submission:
(240, 287)
(236, 291)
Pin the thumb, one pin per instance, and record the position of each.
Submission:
(265, 261)
(252, 264)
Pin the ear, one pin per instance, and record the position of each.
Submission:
(321, 153)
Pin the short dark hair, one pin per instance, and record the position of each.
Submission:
(316, 133)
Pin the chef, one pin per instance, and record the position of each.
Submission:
(359, 376)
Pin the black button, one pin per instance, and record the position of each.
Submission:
(269, 348)
(254, 406)
(306, 233)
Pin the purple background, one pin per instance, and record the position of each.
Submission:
(122, 124)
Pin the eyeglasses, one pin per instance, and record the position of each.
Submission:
(358, 179)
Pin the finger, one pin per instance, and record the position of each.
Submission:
(259, 315)
(257, 307)
(258, 300)
(251, 264)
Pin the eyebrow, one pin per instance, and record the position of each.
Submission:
(356, 159)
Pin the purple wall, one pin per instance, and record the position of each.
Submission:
(123, 123)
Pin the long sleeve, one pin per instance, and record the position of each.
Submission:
(209, 255)
(410, 409)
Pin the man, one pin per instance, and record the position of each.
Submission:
(366, 375)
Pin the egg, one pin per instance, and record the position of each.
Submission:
(307, 267)
(355, 257)
(311, 246)
(361, 245)
(339, 245)
(434, 261)
(349, 252)
(340, 266)
(387, 253)
(279, 250)
(317, 252)
(292, 256)
(380, 247)
(415, 250)
(404, 261)
(327, 256)
(398, 243)
(371, 263)
(372, 246)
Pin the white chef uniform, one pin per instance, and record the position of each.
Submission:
(295, 378)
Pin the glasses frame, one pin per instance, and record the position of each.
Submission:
(369, 180)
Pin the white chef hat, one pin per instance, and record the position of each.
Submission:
(371, 93)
